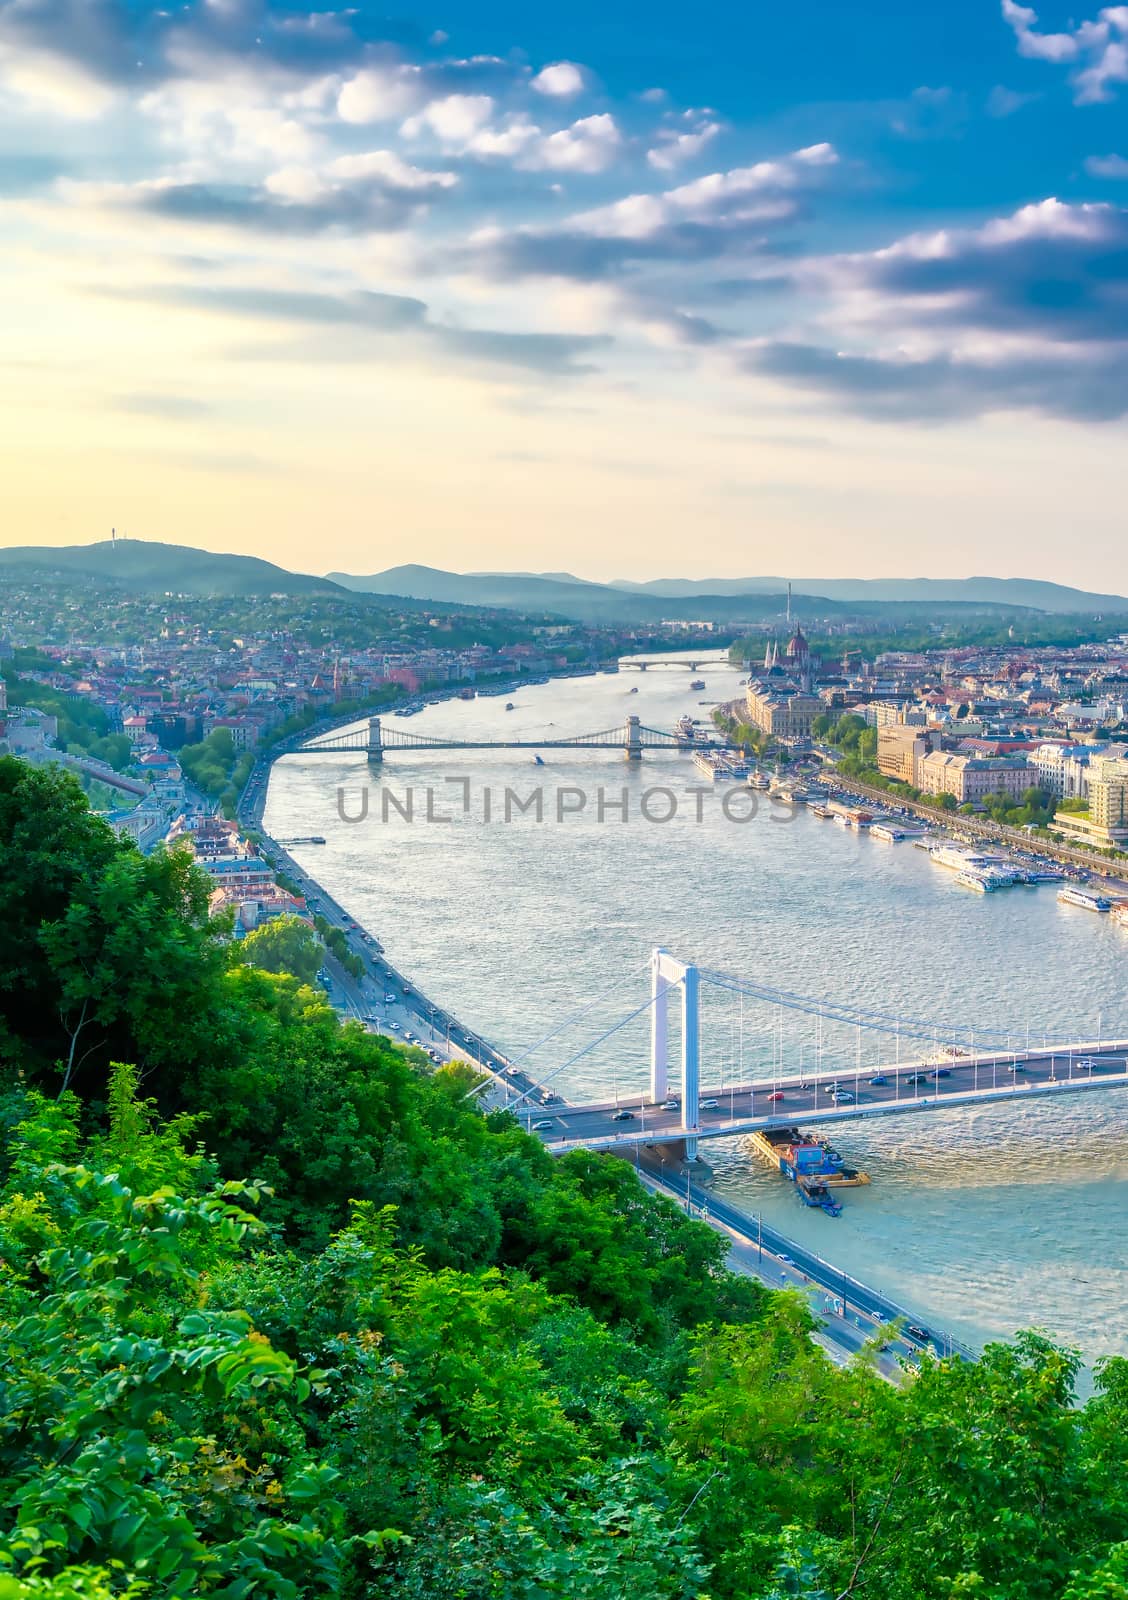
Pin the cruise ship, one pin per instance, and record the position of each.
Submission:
(1071, 895)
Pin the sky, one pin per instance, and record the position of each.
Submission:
(625, 291)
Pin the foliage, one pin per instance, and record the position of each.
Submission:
(284, 944)
(305, 1322)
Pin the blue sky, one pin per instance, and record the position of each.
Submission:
(626, 289)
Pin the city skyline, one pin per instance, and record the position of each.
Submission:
(639, 296)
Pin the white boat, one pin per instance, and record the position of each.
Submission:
(1085, 898)
(888, 831)
(977, 881)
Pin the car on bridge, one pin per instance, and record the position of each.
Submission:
(671, 1104)
(710, 1105)
(940, 1072)
(622, 1116)
(542, 1125)
(776, 1096)
(878, 1081)
(843, 1097)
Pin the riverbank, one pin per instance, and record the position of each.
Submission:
(385, 999)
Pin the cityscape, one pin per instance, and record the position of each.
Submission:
(563, 802)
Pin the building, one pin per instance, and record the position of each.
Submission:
(971, 778)
(781, 709)
(1063, 769)
(900, 750)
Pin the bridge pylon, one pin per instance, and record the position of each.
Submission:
(633, 746)
(375, 749)
(667, 973)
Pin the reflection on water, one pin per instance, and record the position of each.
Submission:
(984, 1219)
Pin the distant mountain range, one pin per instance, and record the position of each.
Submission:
(1029, 593)
(729, 599)
(150, 567)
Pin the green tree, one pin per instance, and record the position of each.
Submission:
(284, 944)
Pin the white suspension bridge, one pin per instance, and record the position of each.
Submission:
(928, 1066)
(376, 739)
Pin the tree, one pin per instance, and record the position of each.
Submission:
(284, 944)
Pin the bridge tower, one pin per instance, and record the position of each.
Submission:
(375, 742)
(666, 973)
(633, 747)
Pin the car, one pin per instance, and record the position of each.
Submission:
(623, 1116)
(548, 1098)
(389, 999)
(918, 1334)
(843, 1097)
(917, 1077)
(545, 1122)
(878, 1081)
(776, 1096)
(709, 1105)
(671, 1105)
(1016, 1066)
(940, 1072)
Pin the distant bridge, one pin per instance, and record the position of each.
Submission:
(376, 739)
(694, 663)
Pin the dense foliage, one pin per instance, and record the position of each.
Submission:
(284, 1314)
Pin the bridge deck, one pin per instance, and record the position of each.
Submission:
(805, 1100)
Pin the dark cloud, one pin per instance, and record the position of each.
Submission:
(167, 407)
(142, 44)
(358, 207)
(387, 315)
(1065, 283)
(943, 388)
(590, 256)
(1027, 312)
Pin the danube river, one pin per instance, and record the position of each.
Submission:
(983, 1220)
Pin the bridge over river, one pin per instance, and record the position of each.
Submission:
(942, 1067)
(376, 739)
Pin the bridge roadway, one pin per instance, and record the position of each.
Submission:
(805, 1099)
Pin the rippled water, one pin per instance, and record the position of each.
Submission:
(985, 1220)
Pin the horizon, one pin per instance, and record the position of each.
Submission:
(607, 292)
(559, 575)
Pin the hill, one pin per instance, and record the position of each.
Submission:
(151, 566)
(727, 601)
(1027, 593)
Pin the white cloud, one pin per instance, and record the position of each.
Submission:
(561, 80)
(454, 120)
(589, 145)
(1107, 166)
(379, 94)
(391, 169)
(675, 149)
(1098, 50)
(53, 84)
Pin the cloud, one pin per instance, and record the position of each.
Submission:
(166, 407)
(379, 94)
(386, 316)
(373, 191)
(454, 120)
(1028, 311)
(589, 145)
(675, 148)
(1097, 50)
(945, 388)
(697, 221)
(1107, 166)
(1004, 102)
(562, 80)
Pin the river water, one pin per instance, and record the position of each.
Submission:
(984, 1220)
